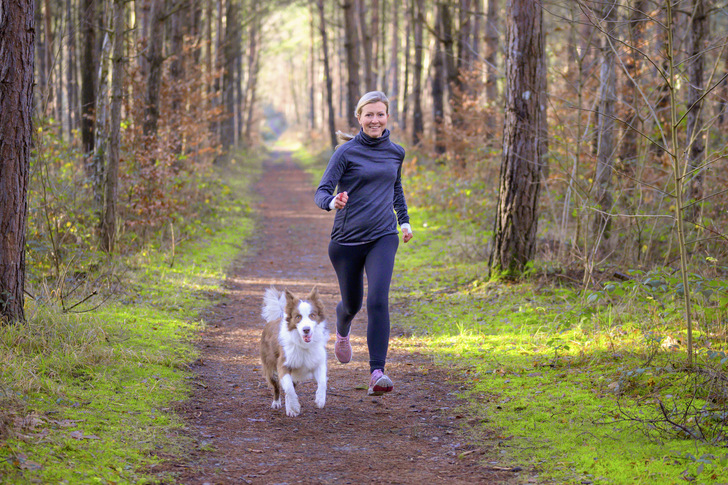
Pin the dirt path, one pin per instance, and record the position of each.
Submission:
(411, 436)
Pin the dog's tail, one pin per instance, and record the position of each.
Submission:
(274, 304)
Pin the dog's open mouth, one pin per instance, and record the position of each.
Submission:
(307, 338)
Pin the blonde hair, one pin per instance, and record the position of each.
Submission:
(368, 98)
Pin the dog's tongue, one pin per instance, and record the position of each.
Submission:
(307, 338)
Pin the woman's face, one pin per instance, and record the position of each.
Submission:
(373, 119)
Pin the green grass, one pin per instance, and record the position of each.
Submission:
(88, 397)
(567, 380)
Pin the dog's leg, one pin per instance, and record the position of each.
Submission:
(293, 407)
(276, 388)
(320, 376)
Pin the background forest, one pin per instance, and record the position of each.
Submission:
(139, 104)
(634, 90)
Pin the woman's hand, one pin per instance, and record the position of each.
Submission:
(406, 234)
(340, 200)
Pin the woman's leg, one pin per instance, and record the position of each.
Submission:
(379, 267)
(348, 262)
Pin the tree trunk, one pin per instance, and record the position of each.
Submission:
(410, 16)
(88, 75)
(101, 139)
(438, 82)
(464, 34)
(178, 21)
(352, 61)
(417, 121)
(516, 221)
(71, 78)
(696, 88)
(327, 74)
(232, 52)
(366, 45)
(491, 50)
(17, 64)
(606, 125)
(394, 69)
(42, 78)
(108, 228)
(633, 64)
(311, 75)
(255, 42)
(155, 61)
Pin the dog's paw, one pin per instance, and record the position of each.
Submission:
(276, 404)
(320, 400)
(293, 408)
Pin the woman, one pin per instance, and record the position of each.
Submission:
(367, 169)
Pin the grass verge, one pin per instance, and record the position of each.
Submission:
(579, 387)
(87, 397)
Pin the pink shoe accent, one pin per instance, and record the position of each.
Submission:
(342, 349)
(379, 383)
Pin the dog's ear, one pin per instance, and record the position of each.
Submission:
(290, 298)
(315, 300)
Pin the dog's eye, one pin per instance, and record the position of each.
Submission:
(313, 315)
(297, 318)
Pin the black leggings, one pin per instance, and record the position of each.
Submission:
(350, 262)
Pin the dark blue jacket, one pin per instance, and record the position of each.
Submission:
(370, 171)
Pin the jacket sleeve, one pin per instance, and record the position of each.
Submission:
(399, 202)
(334, 170)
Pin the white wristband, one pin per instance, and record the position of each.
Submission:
(332, 204)
(406, 226)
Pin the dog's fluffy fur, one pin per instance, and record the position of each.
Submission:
(293, 346)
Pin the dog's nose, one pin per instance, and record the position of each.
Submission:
(306, 330)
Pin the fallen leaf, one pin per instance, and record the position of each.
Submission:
(80, 435)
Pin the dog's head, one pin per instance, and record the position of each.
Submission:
(305, 315)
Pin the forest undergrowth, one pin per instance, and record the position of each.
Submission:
(584, 383)
(88, 383)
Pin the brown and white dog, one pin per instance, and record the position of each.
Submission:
(293, 346)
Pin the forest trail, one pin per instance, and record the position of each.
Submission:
(411, 436)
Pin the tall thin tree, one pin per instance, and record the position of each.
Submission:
(111, 181)
(697, 34)
(327, 73)
(352, 60)
(516, 222)
(417, 25)
(606, 122)
(17, 64)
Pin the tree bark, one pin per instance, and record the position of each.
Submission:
(366, 45)
(232, 52)
(155, 61)
(327, 74)
(417, 121)
(108, 227)
(631, 112)
(352, 62)
(606, 124)
(17, 64)
(696, 88)
(516, 221)
(464, 56)
(255, 42)
(491, 50)
(438, 81)
(89, 65)
(410, 16)
(394, 69)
